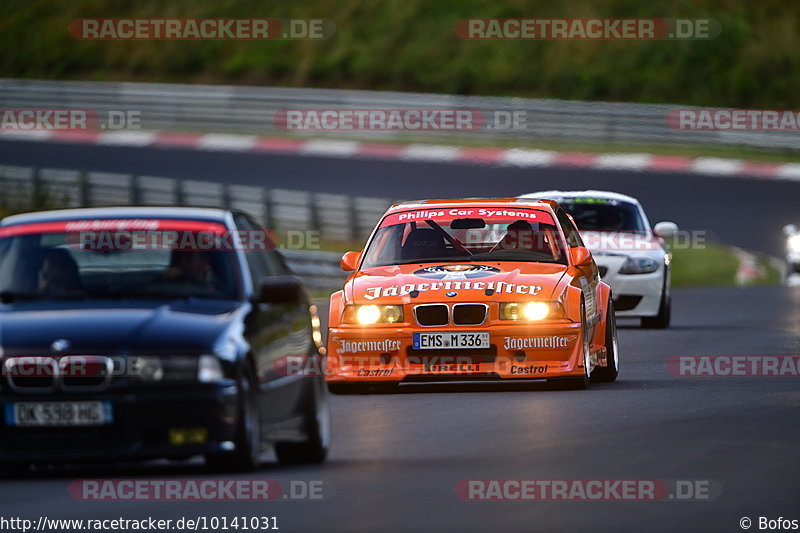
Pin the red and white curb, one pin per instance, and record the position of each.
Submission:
(516, 157)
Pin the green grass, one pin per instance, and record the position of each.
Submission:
(714, 266)
(410, 45)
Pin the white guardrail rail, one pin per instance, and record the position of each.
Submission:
(301, 219)
(247, 109)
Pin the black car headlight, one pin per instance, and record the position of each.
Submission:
(154, 369)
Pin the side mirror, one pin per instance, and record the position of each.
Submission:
(349, 261)
(280, 289)
(665, 230)
(581, 256)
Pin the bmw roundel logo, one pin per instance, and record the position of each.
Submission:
(59, 345)
(451, 294)
(469, 271)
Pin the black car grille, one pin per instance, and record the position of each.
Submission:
(38, 374)
(432, 315)
(626, 302)
(469, 314)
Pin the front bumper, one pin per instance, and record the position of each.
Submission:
(635, 295)
(524, 351)
(141, 426)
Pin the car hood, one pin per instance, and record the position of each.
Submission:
(621, 243)
(435, 282)
(181, 327)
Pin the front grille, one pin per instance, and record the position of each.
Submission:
(603, 271)
(31, 374)
(85, 373)
(432, 315)
(469, 314)
(626, 302)
(38, 374)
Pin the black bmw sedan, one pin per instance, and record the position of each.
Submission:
(137, 333)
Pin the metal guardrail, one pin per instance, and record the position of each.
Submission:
(295, 215)
(251, 110)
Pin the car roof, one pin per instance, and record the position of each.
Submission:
(606, 195)
(451, 202)
(192, 213)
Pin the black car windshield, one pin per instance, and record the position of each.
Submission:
(601, 214)
(466, 234)
(67, 265)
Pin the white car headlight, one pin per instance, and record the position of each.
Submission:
(793, 244)
(639, 265)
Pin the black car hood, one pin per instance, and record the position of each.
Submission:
(108, 328)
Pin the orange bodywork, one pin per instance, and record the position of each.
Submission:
(519, 349)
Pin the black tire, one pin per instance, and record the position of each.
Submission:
(317, 421)
(662, 319)
(607, 374)
(581, 382)
(247, 454)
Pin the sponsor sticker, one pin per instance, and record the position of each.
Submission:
(499, 287)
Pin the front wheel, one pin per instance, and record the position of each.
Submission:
(662, 319)
(247, 454)
(608, 373)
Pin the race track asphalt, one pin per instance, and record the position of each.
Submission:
(396, 458)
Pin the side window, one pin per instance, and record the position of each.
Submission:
(257, 261)
(572, 235)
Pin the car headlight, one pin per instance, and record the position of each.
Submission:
(154, 369)
(639, 265)
(373, 314)
(793, 244)
(209, 369)
(530, 311)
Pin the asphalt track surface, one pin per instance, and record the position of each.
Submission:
(744, 212)
(396, 458)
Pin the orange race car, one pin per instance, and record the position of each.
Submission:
(475, 289)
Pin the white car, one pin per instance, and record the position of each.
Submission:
(632, 257)
(792, 233)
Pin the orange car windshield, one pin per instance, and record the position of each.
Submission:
(530, 236)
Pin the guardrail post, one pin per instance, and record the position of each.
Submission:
(269, 221)
(355, 226)
(134, 190)
(83, 189)
(179, 196)
(226, 196)
(315, 223)
(37, 195)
